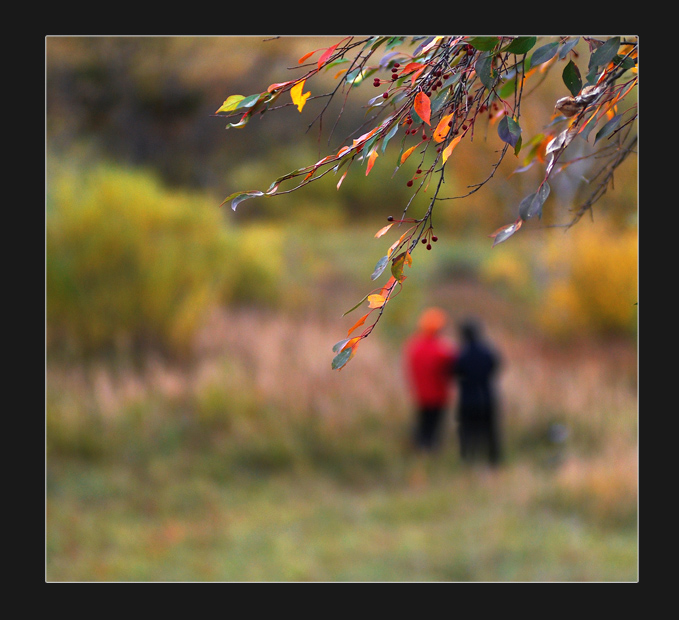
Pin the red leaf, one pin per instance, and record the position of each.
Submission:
(423, 107)
(326, 54)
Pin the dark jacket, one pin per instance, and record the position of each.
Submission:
(475, 369)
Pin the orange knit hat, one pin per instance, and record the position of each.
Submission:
(432, 320)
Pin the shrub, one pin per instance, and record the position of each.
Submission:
(132, 264)
(592, 284)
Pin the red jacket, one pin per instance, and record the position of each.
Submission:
(429, 364)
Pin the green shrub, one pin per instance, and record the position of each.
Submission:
(131, 264)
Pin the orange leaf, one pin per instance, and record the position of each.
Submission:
(352, 343)
(341, 179)
(449, 149)
(408, 153)
(358, 323)
(385, 289)
(442, 128)
(366, 136)
(398, 242)
(371, 161)
(423, 107)
(381, 231)
(303, 58)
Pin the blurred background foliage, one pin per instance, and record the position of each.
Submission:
(188, 346)
(146, 162)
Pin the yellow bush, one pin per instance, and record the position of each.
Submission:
(131, 263)
(592, 271)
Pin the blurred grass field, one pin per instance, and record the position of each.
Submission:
(273, 469)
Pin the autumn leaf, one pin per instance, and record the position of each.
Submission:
(382, 231)
(398, 263)
(298, 98)
(326, 54)
(358, 323)
(449, 149)
(307, 55)
(278, 86)
(443, 128)
(423, 107)
(376, 301)
(230, 104)
(408, 153)
(371, 161)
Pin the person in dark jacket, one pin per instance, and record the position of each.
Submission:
(476, 368)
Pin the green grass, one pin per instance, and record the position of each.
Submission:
(114, 522)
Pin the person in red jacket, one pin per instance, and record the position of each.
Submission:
(430, 360)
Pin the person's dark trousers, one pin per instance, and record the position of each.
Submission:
(479, 437)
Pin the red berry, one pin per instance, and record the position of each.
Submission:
(410, 183)
(429, 246)
(434, 238)
(385, 95)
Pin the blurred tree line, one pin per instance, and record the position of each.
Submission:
(151, 101)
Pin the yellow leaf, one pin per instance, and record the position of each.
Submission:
(376, 301)
(298, 98)
(449, 149)
(230, 104)
(442, 128)
(408, 153)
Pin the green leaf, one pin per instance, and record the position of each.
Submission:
(397, 266)
(521, 45)
(505, 232)
(571, 78)
(238, 102)
(509, 130)
(606, 52)
(543, 54)
(567, 47)
(484, 44)
(608, 128)
(532, 205)
(238, 197)
(356, 306)
(390, 134)
(484, 69)
(339, 345)
(380, 267)
(341, 358)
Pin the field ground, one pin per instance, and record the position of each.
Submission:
(259, 464)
